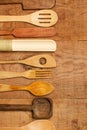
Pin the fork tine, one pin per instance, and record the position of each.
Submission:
(43, 74)
(37, 74)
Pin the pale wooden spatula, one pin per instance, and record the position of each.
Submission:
(37, 88)
(42, 18)
(31, 45)
(29, 74)
(42, 61)
(35, 125)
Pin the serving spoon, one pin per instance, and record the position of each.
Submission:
(42, 18)
(37, 88)
(35, 125)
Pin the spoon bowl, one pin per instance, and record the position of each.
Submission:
(35, 125)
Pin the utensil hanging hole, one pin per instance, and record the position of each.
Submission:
(43, 61)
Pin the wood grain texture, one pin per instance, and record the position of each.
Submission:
(70, 75)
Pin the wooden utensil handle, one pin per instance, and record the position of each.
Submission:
(8, 18)
(8, 74)
(10, 128)
(8, 107)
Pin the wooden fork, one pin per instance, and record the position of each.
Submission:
(29, 74)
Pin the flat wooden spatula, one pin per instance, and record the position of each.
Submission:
(29, 32)
(31, 4)
(35, 125)
(41, 108)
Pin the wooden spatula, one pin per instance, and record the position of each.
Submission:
(37, 88)
(42, 18)
(30, 32)
(35, 125)
(42, 61)
(41, 108)
(31, 4)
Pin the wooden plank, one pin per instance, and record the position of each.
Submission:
(70, 76)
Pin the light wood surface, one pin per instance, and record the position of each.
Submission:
(42, 18)
(70, 76)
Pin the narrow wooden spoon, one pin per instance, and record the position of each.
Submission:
(35, 125)
(42, 61)
(38, 88)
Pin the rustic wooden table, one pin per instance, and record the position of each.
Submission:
(69, 77)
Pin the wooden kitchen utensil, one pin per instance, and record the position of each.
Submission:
(37, 88)
(35, 125)
(42, 18)
(31, 4)
(42, 61)
(28, 45)
(29, 74)
(41, 108)
(29, 32)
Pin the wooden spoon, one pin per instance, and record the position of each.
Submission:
(42, 61)
(42, 18)
(31, 4)
(37, 88)
(35, 125)
(41, 108)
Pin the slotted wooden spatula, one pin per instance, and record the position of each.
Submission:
(42, 61)
(35, 125)
(31, 4)
(30, 32)
(42, 18)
